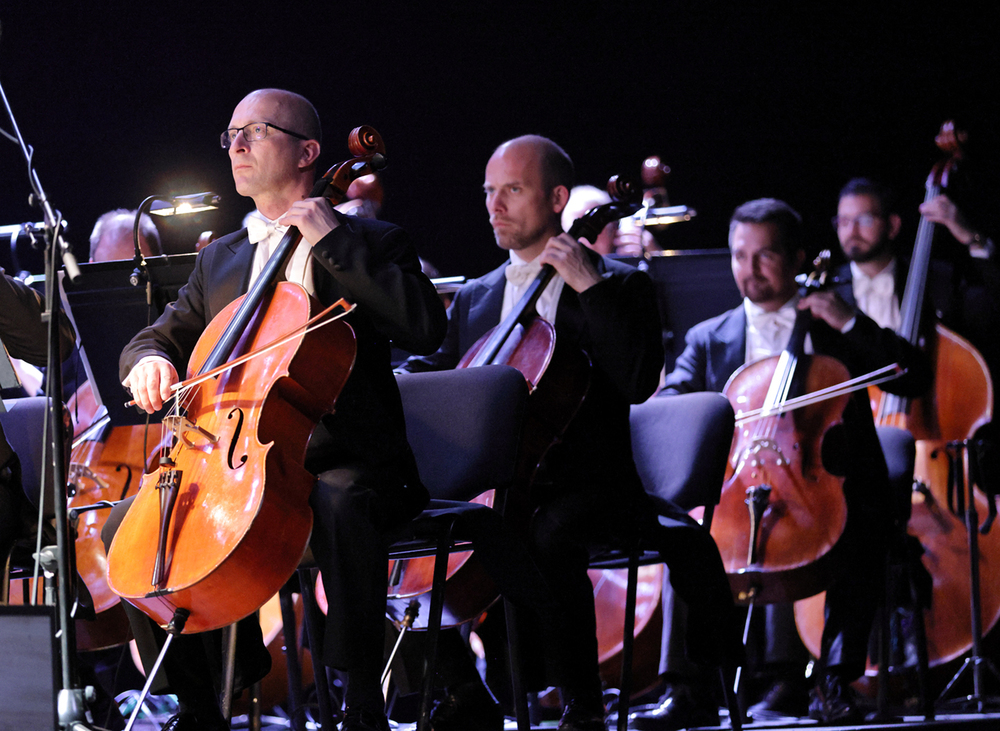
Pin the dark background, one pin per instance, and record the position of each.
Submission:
(742, 100)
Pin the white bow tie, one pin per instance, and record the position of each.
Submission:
(881, 285)
(260, 230)
(521, 274)
(765, 322)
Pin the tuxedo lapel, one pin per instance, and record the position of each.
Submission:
(727, 347)
(485, 305)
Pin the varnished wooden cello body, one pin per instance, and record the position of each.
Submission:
(226, 543)
(781, 513)
(959, 403)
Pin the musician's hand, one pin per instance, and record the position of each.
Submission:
(313, 217)
(570, 259)
(941, 210)
(150, 382)
(829, 307)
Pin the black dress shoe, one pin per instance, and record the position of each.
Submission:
(361, 719)
(785, 699)
(681, 706)
(579, 717)
(832, 701)
(467, 707)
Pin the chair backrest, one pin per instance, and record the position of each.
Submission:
(23, 424)
(465, 427)
(681, 444)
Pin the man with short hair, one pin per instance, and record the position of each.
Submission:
(964, 293)
(366, 484)
(587, 488)
(767, 252)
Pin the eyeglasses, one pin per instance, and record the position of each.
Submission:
(865, 220)
(253, 132)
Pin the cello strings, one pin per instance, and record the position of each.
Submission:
(301, 330)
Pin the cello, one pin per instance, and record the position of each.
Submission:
(959, 403)
(228, 501)
(781, 513)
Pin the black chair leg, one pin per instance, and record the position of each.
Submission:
(732, 701)
(288, 628)
(307, 578)
(628, 640)
(434, 626)
(521, 711)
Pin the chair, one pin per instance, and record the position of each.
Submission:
(680, 445)
(464, 427)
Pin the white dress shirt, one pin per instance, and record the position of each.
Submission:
(520, 274)
(876, 296)
(769, 332)
(265, 234)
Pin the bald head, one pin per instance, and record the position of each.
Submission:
(556, 167)
(290, 110)
(112, 238)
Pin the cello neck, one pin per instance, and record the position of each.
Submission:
(494, 344)
(231, 336)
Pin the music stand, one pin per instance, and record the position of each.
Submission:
(691, 286)
(107, 311)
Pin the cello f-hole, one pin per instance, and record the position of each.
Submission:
(235, 439)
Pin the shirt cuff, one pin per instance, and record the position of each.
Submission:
(845, 329)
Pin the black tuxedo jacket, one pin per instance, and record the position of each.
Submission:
(616, 322)
(370, 263)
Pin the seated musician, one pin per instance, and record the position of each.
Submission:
(25, 336)
(963, 293)
(366, 482)
(767, 251)
(587, 489)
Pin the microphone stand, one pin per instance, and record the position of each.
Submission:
(71, 702)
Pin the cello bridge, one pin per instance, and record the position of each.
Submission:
(764, 445)
(182, 427)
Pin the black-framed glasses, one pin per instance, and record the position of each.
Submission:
(865, 220)
(253, 132)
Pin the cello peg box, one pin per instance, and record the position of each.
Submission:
(29, 670)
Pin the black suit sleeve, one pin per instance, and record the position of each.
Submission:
(867, 347)
(625, 340)
(174, 335)
(21, 326)
(688, 375)
(380, 271)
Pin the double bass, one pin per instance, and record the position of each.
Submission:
(228, 500)
(959, 403)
